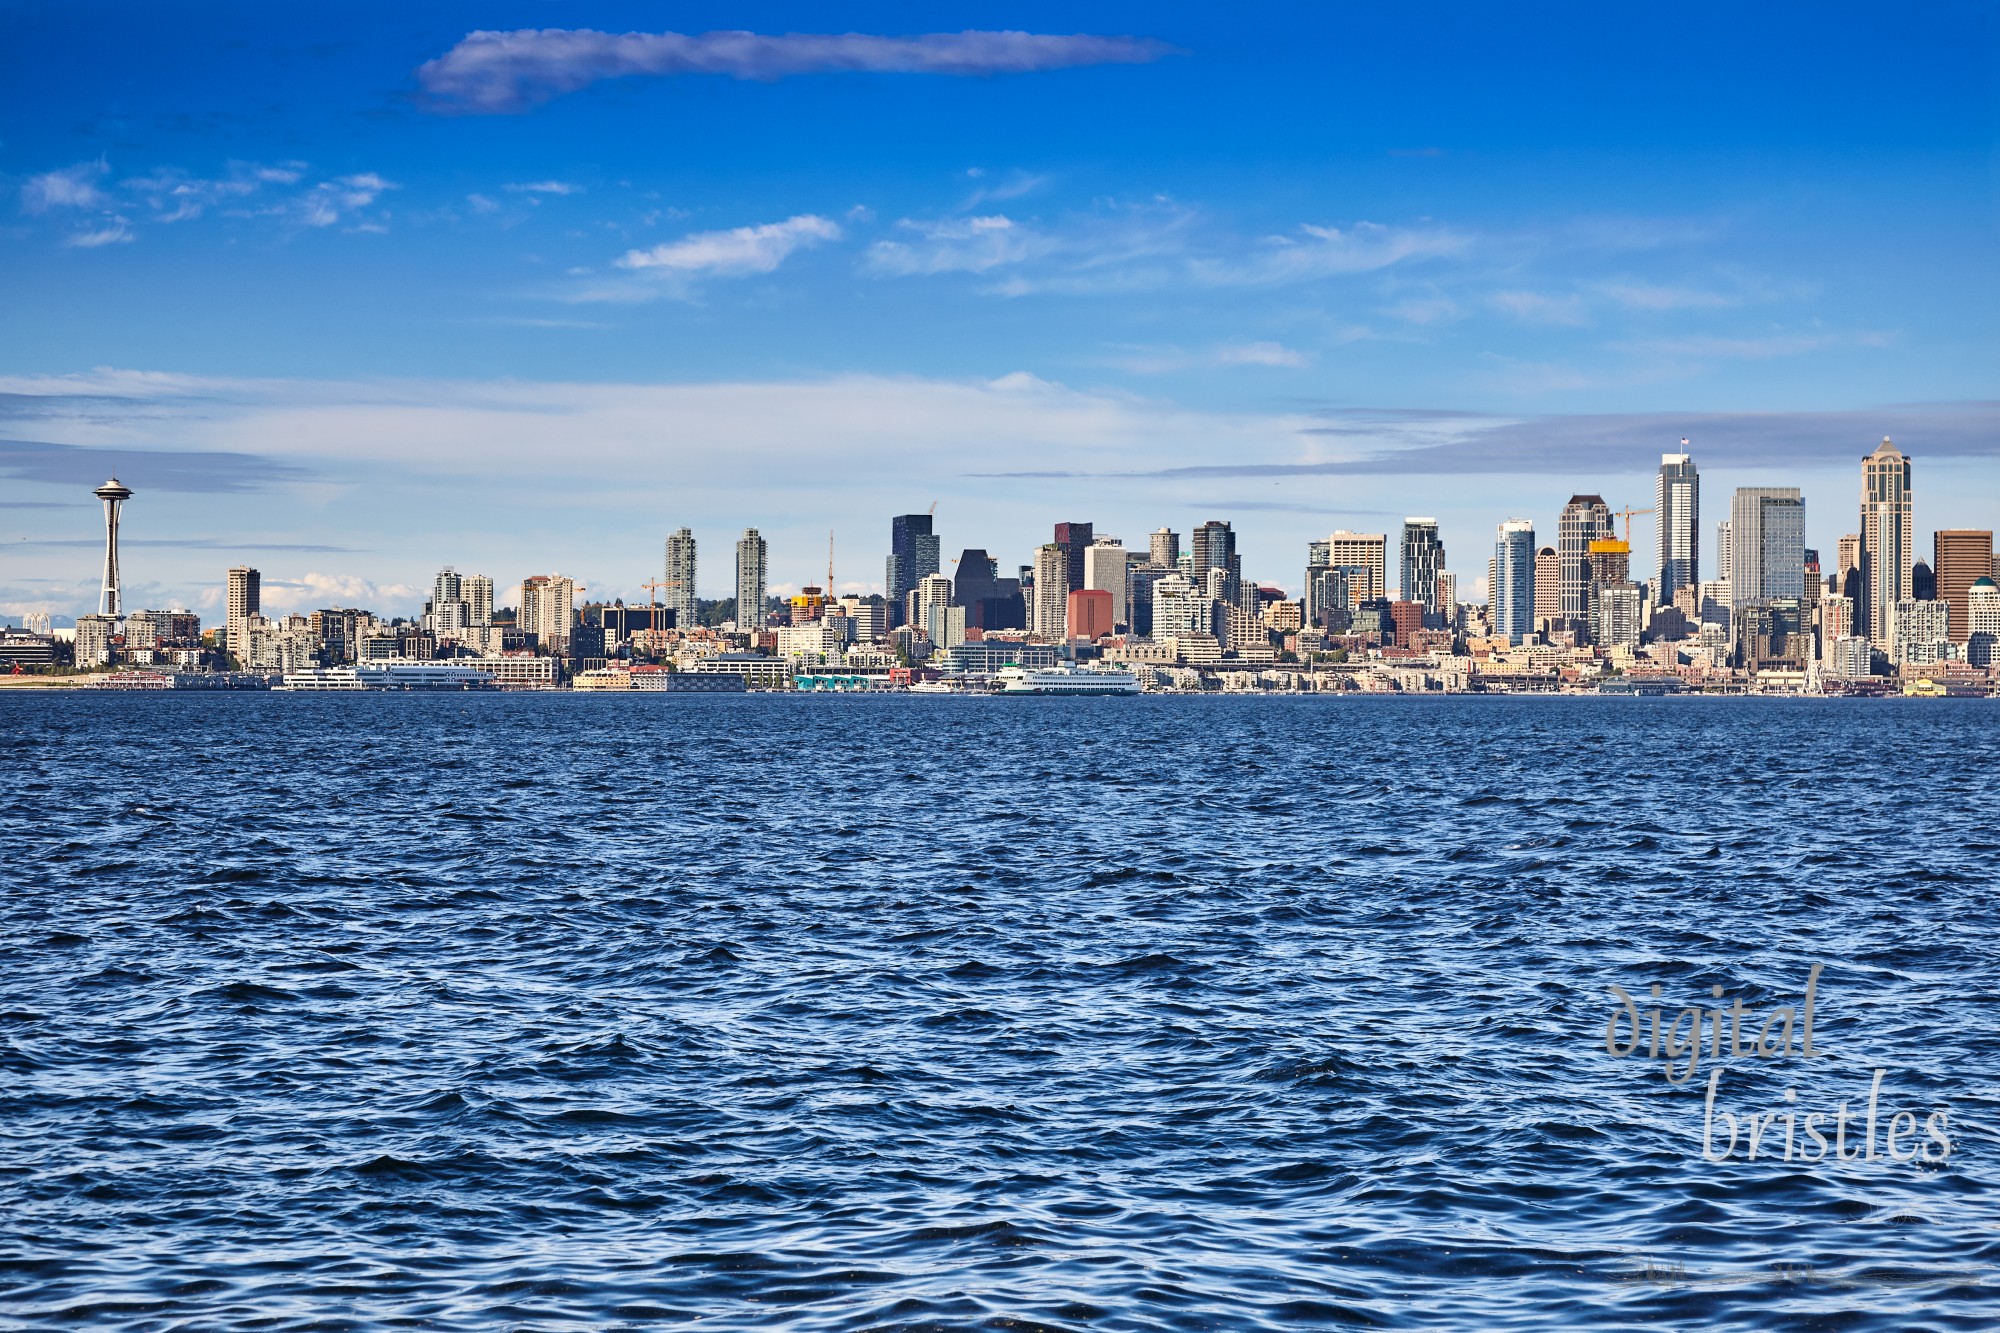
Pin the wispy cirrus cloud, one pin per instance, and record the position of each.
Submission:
(70, 187)
(114, 231)
(103, 210)
(1166, 360)
(1560, 310)
(957, 245)
(736, 252)
(1149, 245)
(1752, 348)
(490, 73)
(543, 187)
(1313, 252)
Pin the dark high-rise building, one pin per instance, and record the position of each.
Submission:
(990, 601)
(1213, 546)
(1423, 561)
(1923, 582)
(1075, 539)
(913, 553)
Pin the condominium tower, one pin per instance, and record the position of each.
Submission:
(1514, 580)
(1365, 557)
(751, 569)
(678, 595)
(245, 599)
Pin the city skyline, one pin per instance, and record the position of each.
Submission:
(337, 298)
(1385, 555)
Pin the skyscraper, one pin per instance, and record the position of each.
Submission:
(1074, 538)
(1548, 587)
(1105, 567)
(1164, 548)
(446, 616)
(1959, 556)
(1213, 546)
(1514, 580)
(1886, 541)
(751, 554)
(548, 609)
(245, 600)
(1423, 561)
(678, 596)
(1723, 558)
(1767, 545)
(1982, 636)
(114, 493)
(1847, 555)
(1584, 519)
(1677, 498)
(1050, 613)
(477, 590)
(1365, 557)
(913, 553)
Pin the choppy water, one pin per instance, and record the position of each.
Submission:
(841, 1013)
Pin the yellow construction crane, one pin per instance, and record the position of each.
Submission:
(1627, 514)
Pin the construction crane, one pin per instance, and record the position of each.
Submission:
(933, 509)
(1627, 514)
(829, 564)
(652, 587)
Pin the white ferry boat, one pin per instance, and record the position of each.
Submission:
(395, 676)
(1064, 680)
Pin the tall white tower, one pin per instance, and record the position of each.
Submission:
(113, 493)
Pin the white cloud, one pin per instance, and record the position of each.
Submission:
(340, 199)
(738, 251)
(498, 72)
(1566, 311)
(1323, 252)
(1143, 247)
(1260, 354)
(1636, 295)
(313, 590)
(1424, 310)
(545, 187)
(1166, 360)
(71, 187)
(957, 245)
(115, 231)
(1760, 348)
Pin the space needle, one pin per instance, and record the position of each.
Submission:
(114, 493)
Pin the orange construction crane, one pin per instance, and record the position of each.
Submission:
(652, 587)
(1627, 514)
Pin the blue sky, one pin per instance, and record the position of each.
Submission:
(350, 292)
